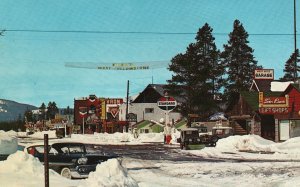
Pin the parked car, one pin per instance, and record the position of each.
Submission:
(71, 160)
(190, 139)
(222, 132)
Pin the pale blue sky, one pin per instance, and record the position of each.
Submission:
(32, 64)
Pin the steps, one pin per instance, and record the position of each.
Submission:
(239, 130)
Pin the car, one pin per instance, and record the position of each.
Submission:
(69, 159)
(222, 132)
(190, 139)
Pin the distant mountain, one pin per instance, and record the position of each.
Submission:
(10, 110)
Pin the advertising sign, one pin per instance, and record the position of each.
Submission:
(114, 101)
(273, 105)
(83, 111)
(166, 103)
(264, 74)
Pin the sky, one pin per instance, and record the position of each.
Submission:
(33, 67)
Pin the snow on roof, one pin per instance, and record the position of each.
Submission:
(279, 86)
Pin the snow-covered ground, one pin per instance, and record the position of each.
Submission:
(265, 163)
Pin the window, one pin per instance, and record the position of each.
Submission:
(149, 110)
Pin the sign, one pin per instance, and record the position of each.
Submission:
(114, 111)
(131, 117)
(114, 101)
(166, 103)
(123, 66)
(264, 74)
(82, 111)
(273, 101)
(274, 110)
(273, 105)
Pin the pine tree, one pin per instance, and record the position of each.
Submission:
(42, 110)
(238, 61)
(51, 110)
(289, 68)
(197, 74)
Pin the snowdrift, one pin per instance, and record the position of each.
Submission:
(8, 142)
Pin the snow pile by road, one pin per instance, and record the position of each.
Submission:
(8, 142)
(118, 138)
(109, 173)
(244, 143)
(22, 169)
(40, 135)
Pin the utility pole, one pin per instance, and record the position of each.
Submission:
(295, 43)
(127, 102)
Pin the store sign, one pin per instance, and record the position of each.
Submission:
(273, 101)
(273, 105)
(264, 74)
(114, 111)
(274, 110)
(166, 103)
(114, 101)
(83, 111)
(131, 117)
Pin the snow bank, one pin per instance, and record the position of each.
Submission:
(40, 135)
(244, 143)
(109, 173)
(118, 138)
(22, 169)
(8, 142)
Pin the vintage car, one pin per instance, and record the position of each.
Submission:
(69, 159)
(190, 139)
(222, 132)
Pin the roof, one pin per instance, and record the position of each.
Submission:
(261, 85)
(152, 93)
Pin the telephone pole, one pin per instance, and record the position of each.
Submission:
(127, 102)
(295, 43)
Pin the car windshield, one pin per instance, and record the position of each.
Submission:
(191, 133)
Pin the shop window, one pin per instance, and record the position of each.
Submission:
(295, 128)
(149, 110)
(284, 130)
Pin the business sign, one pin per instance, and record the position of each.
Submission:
(82, 112)
(166, 103)
(131, 117)
(274, 110)
(264, 74)
(114, 111)
(273, 105)
(273, 101)
(114, 101)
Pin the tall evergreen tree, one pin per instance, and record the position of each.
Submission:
(239, 62)
(51, 110)
(289, 68)
(42, 109)
(197, 74)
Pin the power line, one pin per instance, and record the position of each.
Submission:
(134, 32)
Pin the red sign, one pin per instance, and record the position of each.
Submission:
(115, 101)
(82, 111)
(274, 110)
(114, 111)
(166, 103)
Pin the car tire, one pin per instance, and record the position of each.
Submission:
(66, 172)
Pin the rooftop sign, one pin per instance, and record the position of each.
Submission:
(264, 74)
